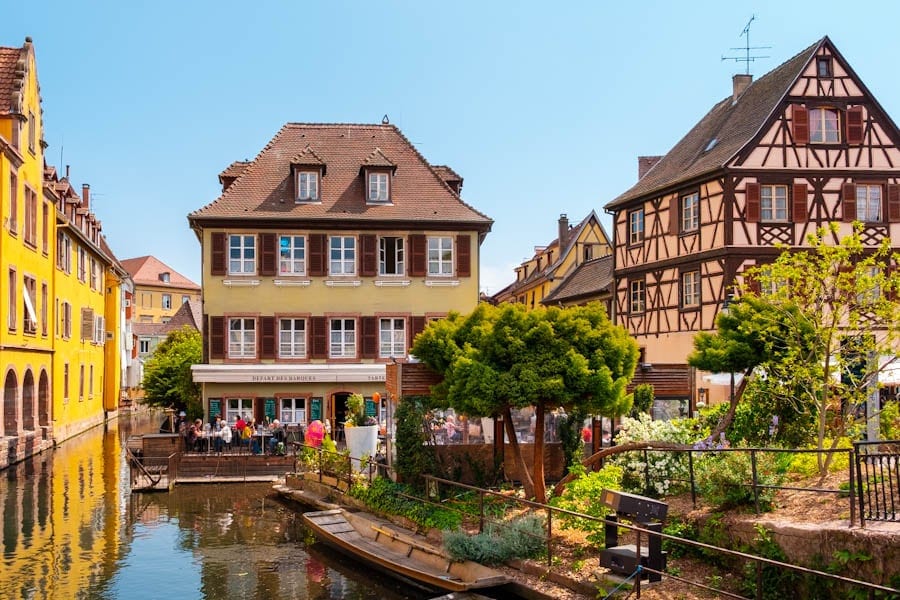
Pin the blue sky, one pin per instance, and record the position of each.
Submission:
(542, 107)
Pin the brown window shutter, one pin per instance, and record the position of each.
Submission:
(463, 256)
(317, 254)
(368, 245)
(752, 192)
(268, 250)
(217, 337)
(87, 323)
(417, 255)
(673, 215)
(893, 195)
(799, 207)
(369, 337)
(417, 326)
(855, 125)
(267, 337)
(800, 117)
(848, 197)
(217, 251)
(318, 337)
(204, 338)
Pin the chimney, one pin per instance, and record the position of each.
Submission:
(563, 229)
(86, 196)
(741, 83)
(645, 163)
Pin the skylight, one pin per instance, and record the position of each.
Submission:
(712, 144)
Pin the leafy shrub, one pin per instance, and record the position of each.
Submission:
(806, 463)
(776, 583)
(661, 468)
(582, 496)
(889, 421)
(682, 529)
(520, 538)
(384, 496)
(724, 479)
(415, 456)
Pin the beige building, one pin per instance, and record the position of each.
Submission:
(159, 290)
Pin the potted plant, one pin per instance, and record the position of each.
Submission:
(361, 431)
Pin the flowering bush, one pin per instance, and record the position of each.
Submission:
(581, 496)
(655, 475)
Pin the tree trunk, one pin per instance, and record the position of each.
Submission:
(527, 482)
(725, 422)
(596, 458)
(540, 484)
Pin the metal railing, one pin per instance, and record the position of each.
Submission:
(878, 480)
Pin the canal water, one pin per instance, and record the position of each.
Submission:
(72, 529)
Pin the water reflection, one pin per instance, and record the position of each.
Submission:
(71, 529)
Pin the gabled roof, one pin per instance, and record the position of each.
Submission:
(732, 124)
(590, 279)
(234, 170)
(378, 159)
(148, 329)
(189, 313)
(145, 270)
(265, 189)
(13, 62)
(446, 173)
(308, 157)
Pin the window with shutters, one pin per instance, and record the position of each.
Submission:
(440, 257)
(390, 256)
(824, 126)
(690, 289)
(342, 255)
(868, 203)
(87, 324)
(291, 255)
(241, 337)
(66, 382)
(307, 186)
(82, 264)
(45, 299)
(392, 338)
(81, 384)
(637, 295)
(31, 205)
(13, 223)
(64, 252)
(13, 300)
(773, 203)
(342, 339)
(636, 226)
(292, 338)
(241, 254)
(66, 320)
(690, 212)
(29, 295)
(99, 330)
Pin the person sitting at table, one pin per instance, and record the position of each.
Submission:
(251, 429)
(277, 437)
(194, 435)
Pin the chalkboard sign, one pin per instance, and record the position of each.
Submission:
(315, 409)
(215, 408)
(270, 409)
(371, 409)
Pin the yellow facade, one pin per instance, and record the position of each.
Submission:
(158, 304)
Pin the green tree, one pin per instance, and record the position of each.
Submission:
(500, 358)
(815, 322)
(167, 373)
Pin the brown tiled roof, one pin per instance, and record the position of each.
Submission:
(235, 169)
(146, 270)
(589, 279)
(148, 329)
(307, 156)
(418, 194)
(10, 78)
(446, 173)
(378, 159)
(732, 124)
(189, 313)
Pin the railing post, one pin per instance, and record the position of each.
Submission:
(859, 486)
(646, 473)
(481, 510)
(693, 483)
(637, 554)
(852, 485)
(349, 471)
(321, 466)
(759, 590)
(755, 480)
(550, 537)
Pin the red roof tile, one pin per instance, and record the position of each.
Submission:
(10, 77)
(147, 269)
(235, 169)
(189, 313)
(418, 194)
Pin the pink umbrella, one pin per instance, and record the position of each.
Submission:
(315, 433)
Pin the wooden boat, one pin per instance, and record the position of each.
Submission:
(398, 554)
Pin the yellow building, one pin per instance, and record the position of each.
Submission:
(322, 259)
(159, 290)
(572, 269)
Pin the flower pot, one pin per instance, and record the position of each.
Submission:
(361, 441)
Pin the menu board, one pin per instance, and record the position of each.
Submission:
(371, 409)
(270, 409)
(315, 409)
(215, 408)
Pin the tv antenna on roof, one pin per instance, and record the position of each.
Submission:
(747, 48)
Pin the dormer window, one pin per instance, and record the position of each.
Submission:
(307, 186)
(379, 187)
(164, 277)
(823, 67)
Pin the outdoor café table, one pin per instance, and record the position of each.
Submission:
(260, 437)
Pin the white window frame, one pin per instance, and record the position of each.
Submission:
(440, 256)
(391, 256)
(237, 407)
(241, 337)
(391, 337)
(690, 212)
(167, 301)
(143, 345)
(99, 330)
(291, 340)
(824, 126)
(66, 320)
(64, 250)
(244, 245)
(291, 255)
(636, 226)
(342, 338)
(378, 187)
(307, 186)
(637, 296)
(292, 411)
(773, 203)
(690, 289)
(869, 202)
(342, 255)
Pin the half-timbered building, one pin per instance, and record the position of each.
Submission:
(805, 145)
